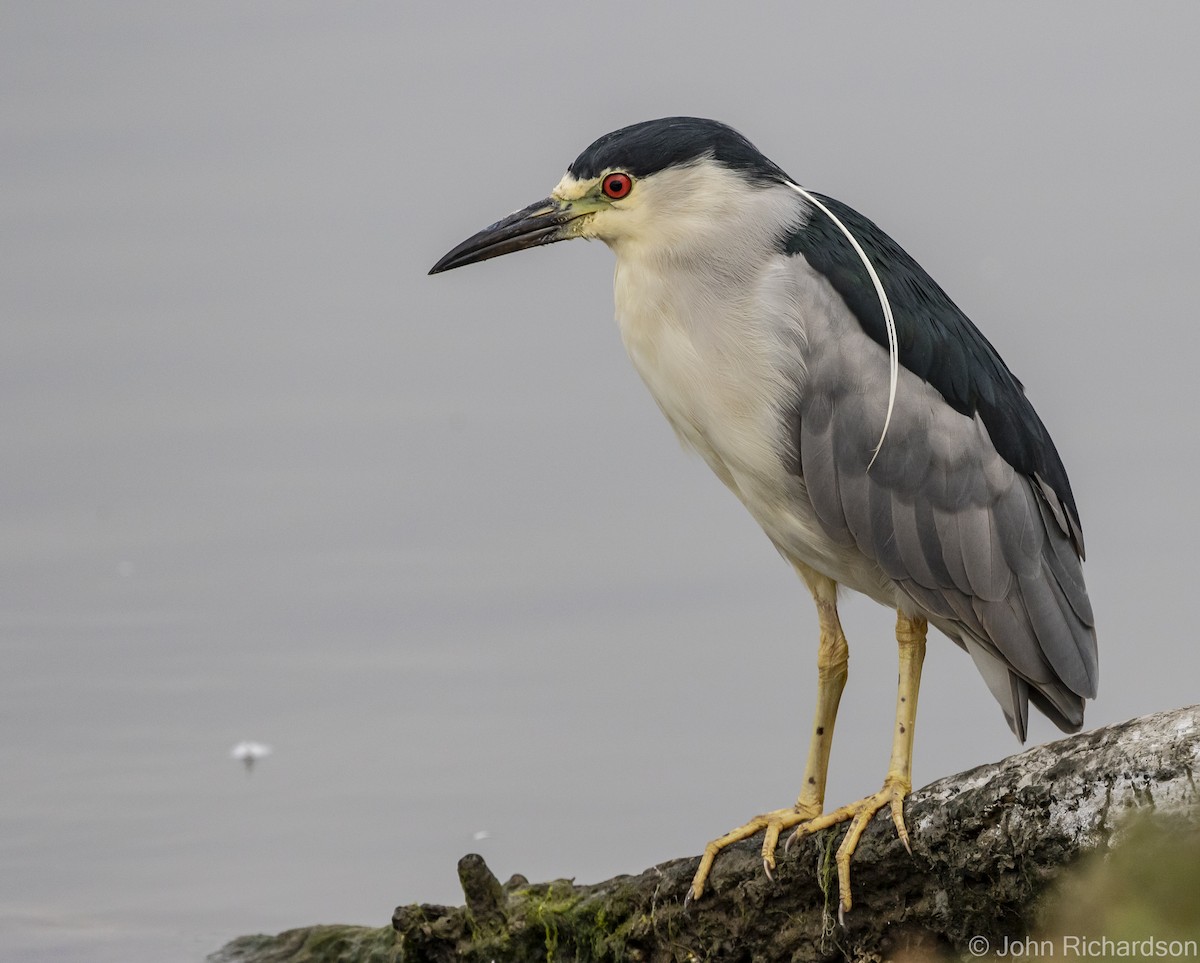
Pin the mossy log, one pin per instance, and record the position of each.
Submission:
(988, 847)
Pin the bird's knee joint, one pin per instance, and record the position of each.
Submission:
(833, 656)
(911, 631)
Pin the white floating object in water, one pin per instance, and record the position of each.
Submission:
(250, 752)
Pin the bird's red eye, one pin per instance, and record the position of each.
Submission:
(617, 185)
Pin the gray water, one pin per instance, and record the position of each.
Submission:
(429, 537)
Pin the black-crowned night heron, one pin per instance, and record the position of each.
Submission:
(870, 429)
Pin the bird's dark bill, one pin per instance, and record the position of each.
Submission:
(539, 223)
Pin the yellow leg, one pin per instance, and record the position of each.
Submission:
(832, 661)
(897, 784)
(833, 658)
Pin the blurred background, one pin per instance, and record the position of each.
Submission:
(429, 538)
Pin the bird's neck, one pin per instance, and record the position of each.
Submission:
(710, 346)
(703, 291)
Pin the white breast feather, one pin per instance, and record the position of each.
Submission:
(717, 328)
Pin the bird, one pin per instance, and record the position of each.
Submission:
(872, 431)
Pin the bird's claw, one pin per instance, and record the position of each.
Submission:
(857, 814)
(771, 824)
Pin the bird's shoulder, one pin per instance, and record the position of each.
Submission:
(935, 338)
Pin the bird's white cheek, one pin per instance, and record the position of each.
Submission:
(609, 225)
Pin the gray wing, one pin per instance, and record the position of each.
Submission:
(937, 342)
(974, 543)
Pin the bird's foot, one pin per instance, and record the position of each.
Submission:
(858, 814)
(773, 823)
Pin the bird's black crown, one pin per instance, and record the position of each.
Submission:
(655, 145)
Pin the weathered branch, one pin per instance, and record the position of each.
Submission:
(987, 844)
